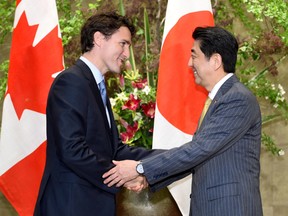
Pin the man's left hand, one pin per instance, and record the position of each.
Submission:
(123, 172)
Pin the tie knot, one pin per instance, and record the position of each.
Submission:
(207, 103)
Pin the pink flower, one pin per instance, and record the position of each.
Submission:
(124, 123)
(140, 84)
(121, 80)
(132, 103)
(130, 131)
(149, 109)
(125, 137)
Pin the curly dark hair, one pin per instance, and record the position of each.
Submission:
(107, 24)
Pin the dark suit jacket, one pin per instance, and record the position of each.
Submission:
(223, 157)
(80, 148)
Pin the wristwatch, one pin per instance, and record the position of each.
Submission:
(139, 168)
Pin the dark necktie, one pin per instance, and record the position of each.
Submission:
(102, 89)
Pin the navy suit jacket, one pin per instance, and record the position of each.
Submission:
(223, 157)
(80, 148)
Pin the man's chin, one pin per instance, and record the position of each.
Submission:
(122, 67)
(117, 70)
(197, 80)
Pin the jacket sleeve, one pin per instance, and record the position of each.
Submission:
(227, 121)
(126, 152)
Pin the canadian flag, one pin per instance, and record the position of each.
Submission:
(179, 100)
(36, 55)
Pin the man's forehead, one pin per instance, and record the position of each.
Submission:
(124, 34)
(195, 46)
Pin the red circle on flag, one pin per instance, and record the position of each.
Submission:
(179, 99)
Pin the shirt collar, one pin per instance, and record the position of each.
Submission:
(95, 71)
(218, 86)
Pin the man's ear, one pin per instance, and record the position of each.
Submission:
(98, 38)
(217, 60)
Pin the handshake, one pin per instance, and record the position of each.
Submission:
(125, 174)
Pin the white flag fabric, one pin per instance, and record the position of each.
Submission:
(179, 100)
(36, 54)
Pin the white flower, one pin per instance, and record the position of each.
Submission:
(280, 99)
(275, 105)
(122, 96)
(135, 93)
(112, 101)
(281, 153)
(282, 91)
(146, 90)
(137, 117)
(266, 97)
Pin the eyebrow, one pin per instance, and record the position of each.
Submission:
(128, 42)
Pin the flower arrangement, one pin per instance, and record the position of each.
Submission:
(134, 108)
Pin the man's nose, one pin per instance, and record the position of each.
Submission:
(126, 52)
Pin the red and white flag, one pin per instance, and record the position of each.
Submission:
(36, 55)
(179, 100)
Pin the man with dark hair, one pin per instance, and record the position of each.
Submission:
(82, 137)
(224, 155)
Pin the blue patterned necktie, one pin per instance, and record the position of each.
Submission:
(102, 89)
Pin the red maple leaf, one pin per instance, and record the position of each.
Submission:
(31, 68)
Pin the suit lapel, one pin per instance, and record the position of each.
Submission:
(223, 89)
(114, 131)
(87, 73)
